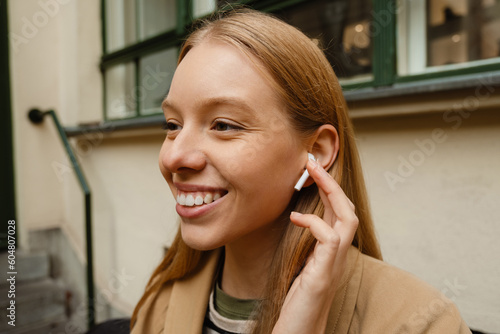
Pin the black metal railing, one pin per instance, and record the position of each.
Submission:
(36, 116)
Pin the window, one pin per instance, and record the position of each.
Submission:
(370, 43)
(343, 30)
(120, 91)
(156, 72)
(444, 35)
(131, 21)
(141, 45)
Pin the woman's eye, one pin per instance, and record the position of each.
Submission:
(171, 126)
(223, 126)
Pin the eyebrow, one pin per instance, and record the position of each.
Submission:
(212, 102)
(167, 105)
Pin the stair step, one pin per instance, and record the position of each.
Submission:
(29, 266)
(41, 301)
(41, 328)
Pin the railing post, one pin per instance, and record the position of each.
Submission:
(36, 116)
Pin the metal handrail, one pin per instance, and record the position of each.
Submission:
(36, 116)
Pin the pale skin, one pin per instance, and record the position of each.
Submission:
(227, 131)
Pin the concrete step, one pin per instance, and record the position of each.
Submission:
(37, 303)
(40, 328)
(28, 266)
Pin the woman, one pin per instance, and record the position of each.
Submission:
(250, 98)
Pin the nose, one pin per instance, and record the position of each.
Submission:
(183, 154)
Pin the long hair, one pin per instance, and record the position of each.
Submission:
(306, 82)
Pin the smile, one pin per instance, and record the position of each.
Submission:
(188, 198)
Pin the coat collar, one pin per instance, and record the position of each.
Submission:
(190, 296)
(344, 302)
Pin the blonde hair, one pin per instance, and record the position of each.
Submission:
(305, 80)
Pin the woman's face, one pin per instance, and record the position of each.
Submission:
(230, 156)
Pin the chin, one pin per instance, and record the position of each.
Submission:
(199, 241)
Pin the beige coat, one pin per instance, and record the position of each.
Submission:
(373, 298)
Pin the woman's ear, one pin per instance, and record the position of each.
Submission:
(324, 145)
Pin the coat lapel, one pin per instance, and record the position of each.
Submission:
(343, 305)
(189, 299)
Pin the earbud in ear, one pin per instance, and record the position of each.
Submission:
(304, 176)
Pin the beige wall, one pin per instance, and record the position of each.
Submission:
(438, 220)
(33, 149)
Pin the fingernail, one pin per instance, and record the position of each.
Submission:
(296, 214)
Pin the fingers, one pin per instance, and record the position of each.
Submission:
(319, 229)
(327, 250)
(335, 196)
(339, 210)
(351, 204)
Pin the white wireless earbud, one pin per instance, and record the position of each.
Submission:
(304, 176)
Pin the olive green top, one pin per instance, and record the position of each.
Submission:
(231, 307)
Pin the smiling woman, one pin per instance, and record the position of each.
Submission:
(210, 131)
(250, 98)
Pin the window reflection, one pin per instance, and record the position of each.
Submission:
(459, 31)
(343, 29)
(203, 7)
(131, 21)
(120, 24)
(156, 72)
(157, 16)
(121, 96)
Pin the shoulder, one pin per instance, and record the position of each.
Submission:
(381, 278)
(395, 301)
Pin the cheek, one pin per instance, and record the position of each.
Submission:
(269, 152)
(271, 169)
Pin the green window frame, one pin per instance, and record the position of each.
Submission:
(384, 33)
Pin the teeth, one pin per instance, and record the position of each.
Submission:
(193, 199)
(182, 199)
(198, 200)
(208, 198)
(189, 200)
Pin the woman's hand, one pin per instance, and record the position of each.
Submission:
(308, 302)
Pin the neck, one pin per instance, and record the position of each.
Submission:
(247, 263)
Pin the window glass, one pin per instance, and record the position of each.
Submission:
(157, 16)
(156, 71)
(343, 30)
(203, 7)
(120, 24)
(436, 35)
(121, 96)
(460, 31)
